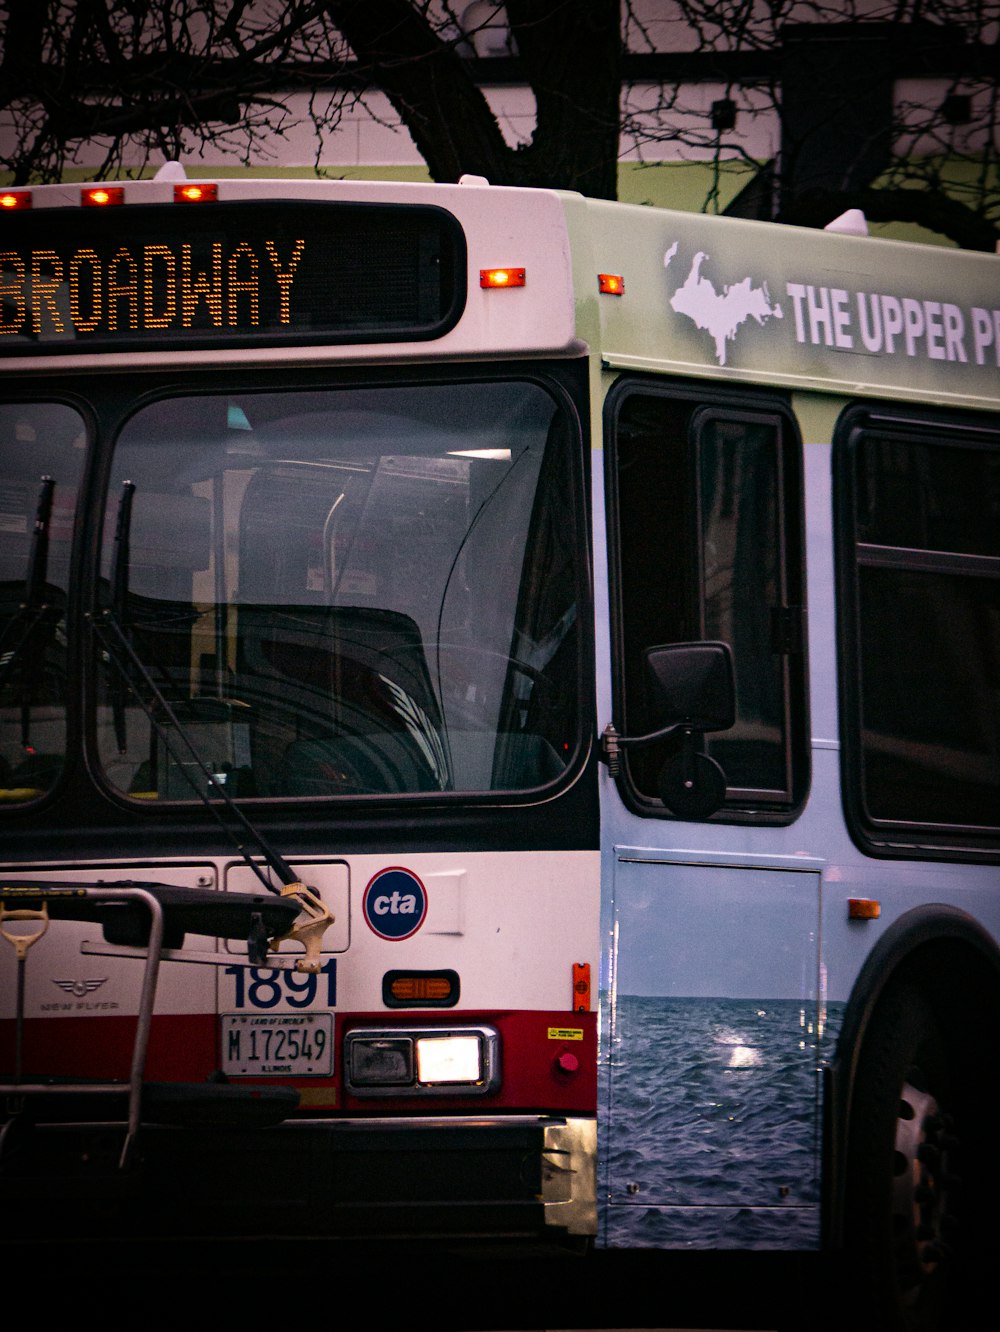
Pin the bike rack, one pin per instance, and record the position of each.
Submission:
(147, 921)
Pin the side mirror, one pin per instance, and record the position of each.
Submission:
(691, 685)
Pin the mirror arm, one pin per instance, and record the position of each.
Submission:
(612, 742)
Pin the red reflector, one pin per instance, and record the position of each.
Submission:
(11, 199)
(501, 277)
(103, 196)
(195, 192)
(611, 284)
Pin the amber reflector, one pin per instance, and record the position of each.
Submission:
(863, 908)
(581, 987)
(611, 284)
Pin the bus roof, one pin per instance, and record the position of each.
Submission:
(687, 293)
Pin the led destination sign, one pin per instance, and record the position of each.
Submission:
(155, 276)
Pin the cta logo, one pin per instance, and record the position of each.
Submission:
(395, 904)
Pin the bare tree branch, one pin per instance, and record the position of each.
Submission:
(138, 79)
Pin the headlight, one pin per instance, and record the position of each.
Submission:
(437, 1061)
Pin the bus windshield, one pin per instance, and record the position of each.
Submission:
(343, 592)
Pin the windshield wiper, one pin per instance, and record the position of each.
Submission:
(119, 598)
(112, 630)
(38, 560)
(33, 604)
(33, 609)
(131, 669)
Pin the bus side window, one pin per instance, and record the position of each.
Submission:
(920, 583)
(708, 548)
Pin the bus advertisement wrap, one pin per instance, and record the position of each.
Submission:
(820, 308)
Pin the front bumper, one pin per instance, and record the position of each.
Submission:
(519, 1177)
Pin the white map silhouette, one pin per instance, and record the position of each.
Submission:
(721, 313)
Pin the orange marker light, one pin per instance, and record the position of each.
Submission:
(611, 284)
(581, 987)
(501, 277)
(196, 192)
(421, 987)
(863, 908)
(103, 196)
(11, 199)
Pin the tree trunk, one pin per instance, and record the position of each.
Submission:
(570, 52)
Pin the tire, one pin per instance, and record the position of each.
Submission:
(917, 1127)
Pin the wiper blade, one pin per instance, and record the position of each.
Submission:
(119, 567)
(38, 559)
(130, 668)
(33, 607)
(119, 607)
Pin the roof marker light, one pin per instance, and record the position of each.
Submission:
(12, 199)
(611, 284)
(501, 277)
(194, 191)
(103, 196)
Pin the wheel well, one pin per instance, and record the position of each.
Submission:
(954, 964)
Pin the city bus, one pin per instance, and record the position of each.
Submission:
(500, 700)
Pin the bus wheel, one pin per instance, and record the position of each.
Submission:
(905, 1205)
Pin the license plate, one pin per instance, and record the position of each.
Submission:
(277, 1044)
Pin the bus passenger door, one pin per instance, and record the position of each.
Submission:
(713, 1011)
